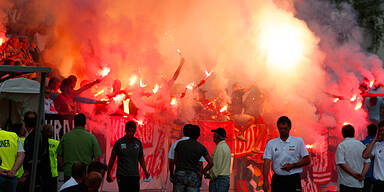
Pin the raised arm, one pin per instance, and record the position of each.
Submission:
(87, 86)
(177, 72)
(367, 153)
(366, 168)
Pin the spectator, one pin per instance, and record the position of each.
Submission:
(369, 180)
(35, 52)
(221, 156)
(171, 153)
(12, 50)
(98, 167)
(187, 156)
(78, 145)
(242, 121)
(26, 58)
(11, 158)
(351, 167)
(376, 150)
(79, 172)
(53, 87)
(129, 153)
(9, 62)
(91, 184)
(53, 144)
(65, 102)
(372, 105)
(49, 105)
(43, 173)
(288, 155)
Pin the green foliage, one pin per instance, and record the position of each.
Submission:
(370, 17)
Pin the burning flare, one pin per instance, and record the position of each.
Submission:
(371, 83)
(104, 72)
(336, 100)
(132, 80)
(142, 84)
(99, 93)
(140, 122)
(207, 74)
(174, 101)
(309, 146)
(119, 97)
(358, 106)
(156, 88)
(191, 85)
(223, 109)
(126, 106)
(353, 98)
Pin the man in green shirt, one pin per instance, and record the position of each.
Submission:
(78, 145)
(221, 156)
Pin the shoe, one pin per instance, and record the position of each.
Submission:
(241, 138)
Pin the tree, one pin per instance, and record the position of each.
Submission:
(370, 17)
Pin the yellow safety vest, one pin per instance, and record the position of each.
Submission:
(20, 172)
(8, 149)
(53, 144)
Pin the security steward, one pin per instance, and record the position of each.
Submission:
(288, 155)
(12, 156)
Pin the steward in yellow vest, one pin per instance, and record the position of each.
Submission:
(53, 144)
(11, 158)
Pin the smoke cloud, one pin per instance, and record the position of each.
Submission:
(295, 52)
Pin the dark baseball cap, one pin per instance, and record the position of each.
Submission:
(220, 131)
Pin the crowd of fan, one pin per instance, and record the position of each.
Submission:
(19, 51)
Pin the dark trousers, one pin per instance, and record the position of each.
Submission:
(128, 183)
(368, 185)
(8, 184)
(286, 183)
(344, 188)
(43, 184)
(378, 186)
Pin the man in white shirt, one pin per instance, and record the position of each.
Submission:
(79, 172)
(351, 166)
(288, 155)
(376, 149)
(171, 153)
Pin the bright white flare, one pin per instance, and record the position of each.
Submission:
(283, 44)
(132, 80)
(103, 72)
(156, 88)
(223, 109)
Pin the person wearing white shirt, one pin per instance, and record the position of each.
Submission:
(79, 172)
(171, 153)
(288, 155)
(376, 149)
(351, 166)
